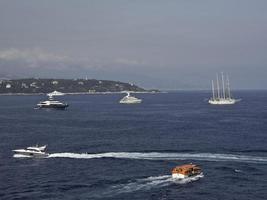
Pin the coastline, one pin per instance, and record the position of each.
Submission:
(81, 93)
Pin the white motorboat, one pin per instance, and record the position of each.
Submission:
(51, 103)
(222, 97)
(55, 93)
(35, 151)
(128, 99)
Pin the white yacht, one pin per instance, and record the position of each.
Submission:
(55, 93)
(35, 151)
(222, 97)
(128, 99)
(51, 103)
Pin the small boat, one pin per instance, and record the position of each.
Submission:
(55, 93)
(128, 99)
(35, 151)
(184, 171)
(222, 97)
(51, 103)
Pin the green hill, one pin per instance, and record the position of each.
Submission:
(33, 85)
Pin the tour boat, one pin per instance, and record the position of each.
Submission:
(184, 171)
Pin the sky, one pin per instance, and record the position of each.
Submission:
(164, 44)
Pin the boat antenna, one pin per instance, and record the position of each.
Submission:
(223, 89)
(218, 86)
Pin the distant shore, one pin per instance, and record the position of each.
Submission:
(80, 93)
(35, 86)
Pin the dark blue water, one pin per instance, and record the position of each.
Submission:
(132, 148)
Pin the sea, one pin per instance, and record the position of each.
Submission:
(100, 149)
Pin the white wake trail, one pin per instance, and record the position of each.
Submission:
(150, 183)
(164, 156)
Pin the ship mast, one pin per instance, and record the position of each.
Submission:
(228, 87)
(223, 89)
(218, 86)
(212, 85)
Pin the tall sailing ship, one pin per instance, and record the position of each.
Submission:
(222, 96)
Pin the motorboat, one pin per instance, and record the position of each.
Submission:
(128, 99)
(35, 151)
(222, 97)
(184, 171)
(51, 103)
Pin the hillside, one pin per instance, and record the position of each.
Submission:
(64, 85)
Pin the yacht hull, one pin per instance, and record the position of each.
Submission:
(179, 176)
(222, 102)
(60, 107)
(24, 152)
(182, 176)
(131, 102)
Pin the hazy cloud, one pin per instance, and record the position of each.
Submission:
(37, 57)
(31, 56)
(165, 44)
(126, 61)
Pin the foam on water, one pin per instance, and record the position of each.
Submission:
(165, 156)
(238, 171)
(149, 183)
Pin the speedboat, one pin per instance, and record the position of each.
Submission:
(128, 99)
(184, 171)
(35, 151)
(51, 103)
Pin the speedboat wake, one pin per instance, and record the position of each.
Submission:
(148, 184)
(164, 156)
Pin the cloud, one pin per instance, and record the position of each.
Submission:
(37, 58)
(31, 56)
(126, 61)
(37, 62)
